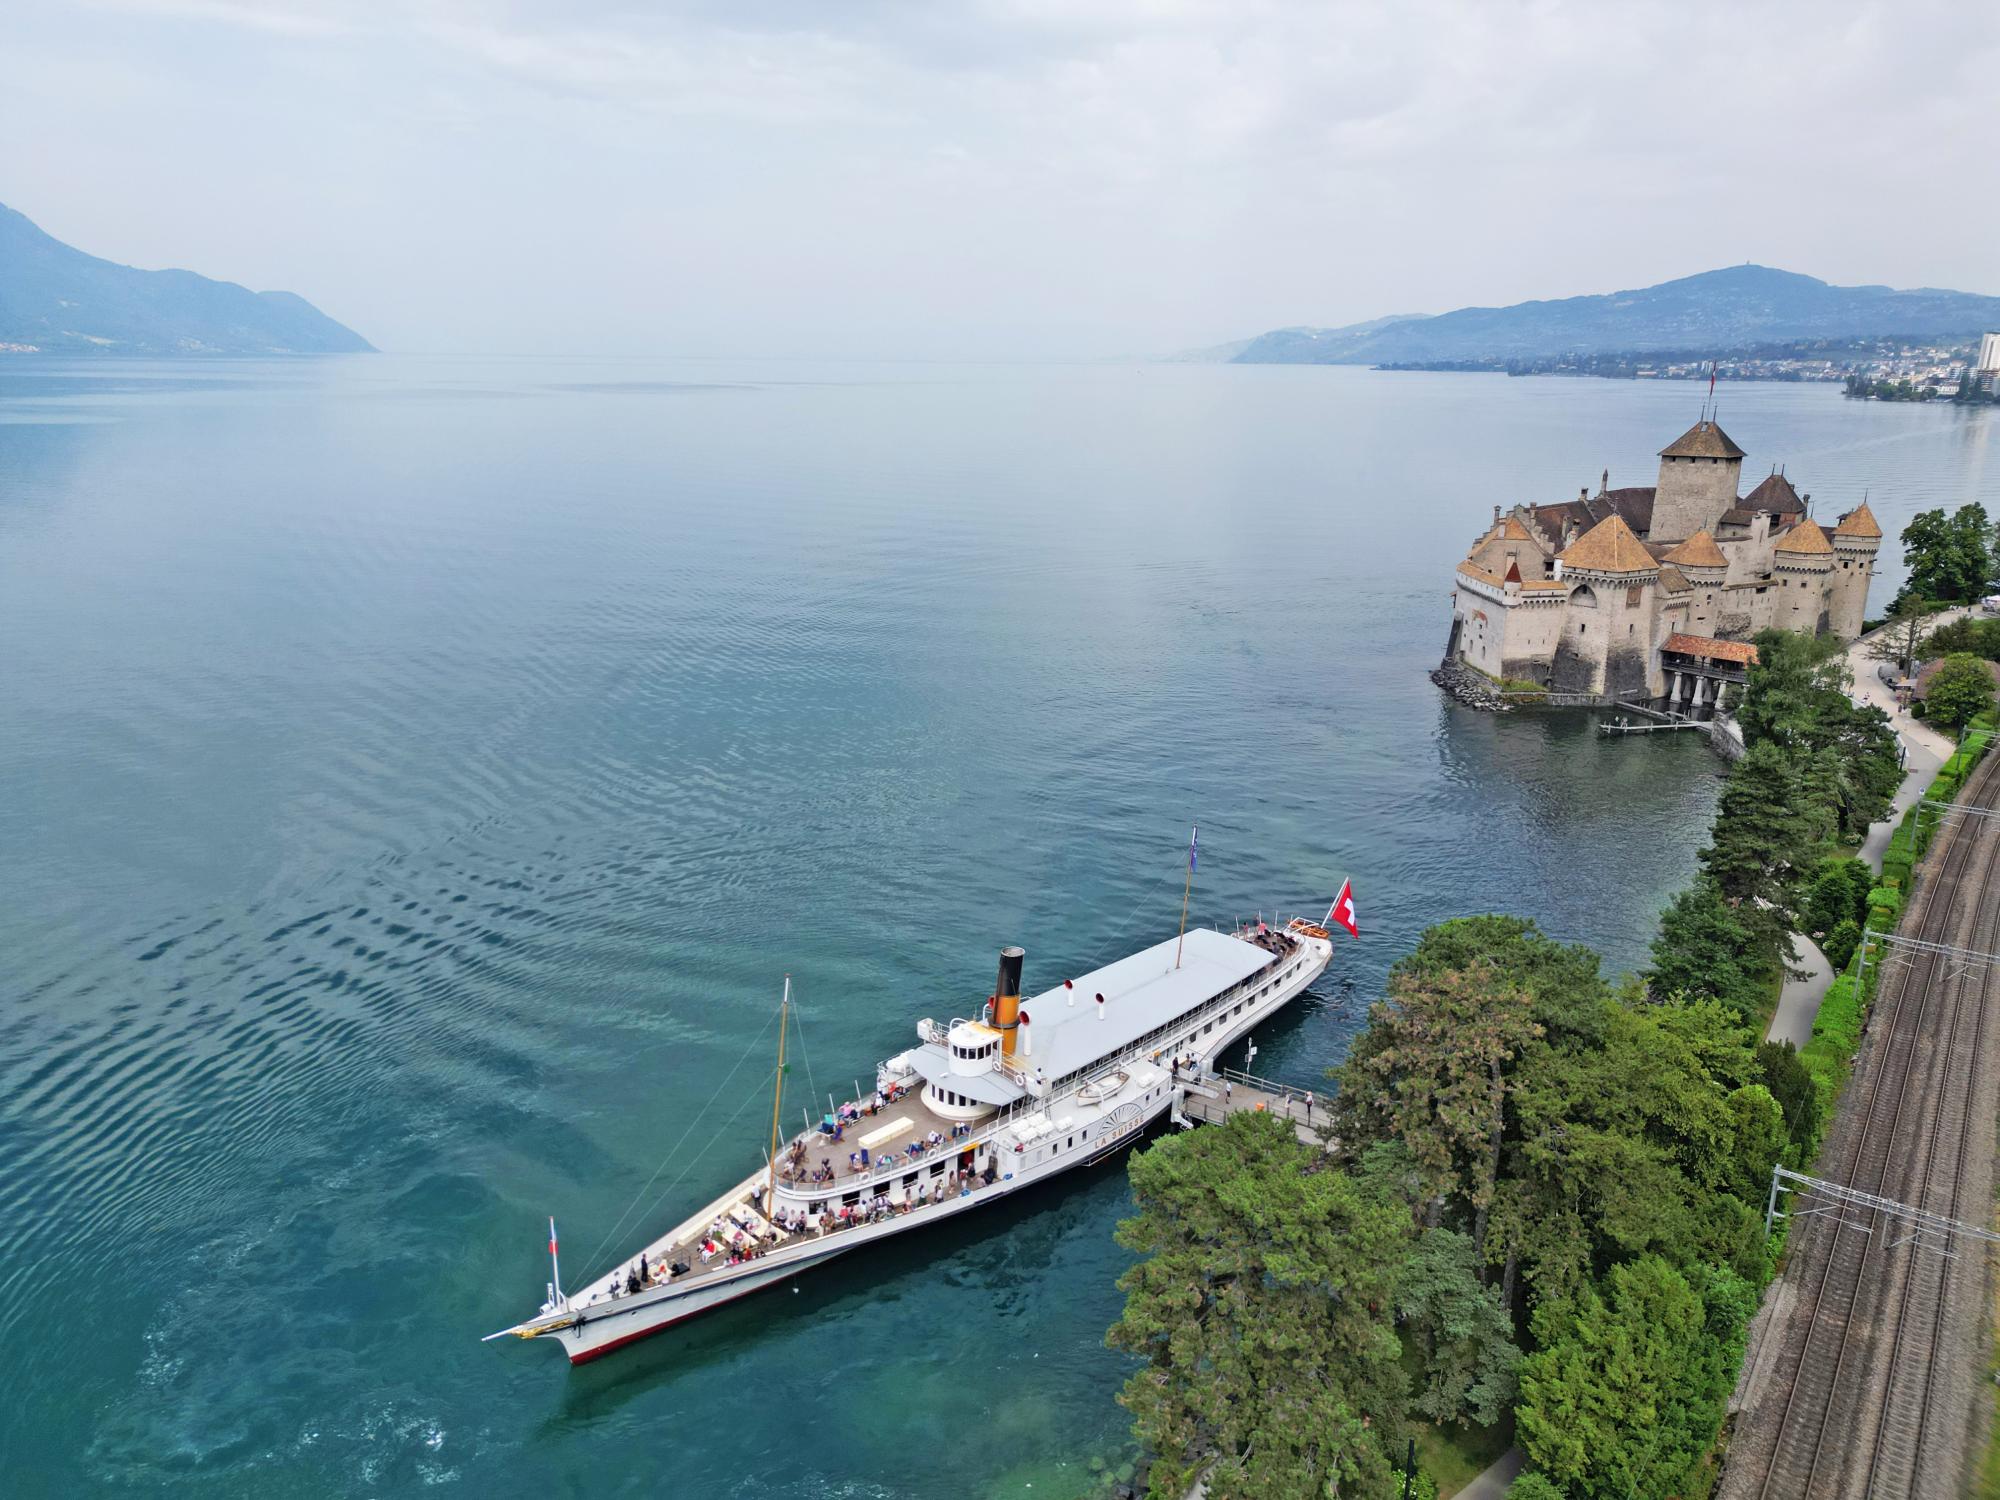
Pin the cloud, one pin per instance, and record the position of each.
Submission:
(1094, 175)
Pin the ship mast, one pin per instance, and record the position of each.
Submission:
(1194, 839)
(777, 1098)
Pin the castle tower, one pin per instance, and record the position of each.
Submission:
(1699, 473)
(1703, 565)
(1606, 644)
(1802, 566)
(1856, 540)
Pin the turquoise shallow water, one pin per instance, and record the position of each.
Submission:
(419, 775)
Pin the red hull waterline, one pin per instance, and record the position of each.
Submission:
(645, 1333)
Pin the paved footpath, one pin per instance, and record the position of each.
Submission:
(1798, 1002)
(1924, 750)
(1492, 1483)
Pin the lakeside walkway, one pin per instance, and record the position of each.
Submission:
(1924, 750)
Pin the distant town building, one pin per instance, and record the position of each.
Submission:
(1653, 592)
(1985, 377)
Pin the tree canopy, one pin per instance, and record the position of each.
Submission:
(1625, 1395)
(1959, 691)
(1950, 557)
(1706, 951)
(1518, 1144)
(1260, 1306)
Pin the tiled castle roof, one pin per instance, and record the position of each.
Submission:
(1806, 539)
(1609, 547)
(1698, 551)
(1708, 646)
(1776, 495)
(1634, 504)
(1859, 522)
(1703, 440)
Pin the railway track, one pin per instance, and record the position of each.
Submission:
(1864, 1367)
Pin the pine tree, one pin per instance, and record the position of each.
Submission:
(1259, 1306)
(1764, 835)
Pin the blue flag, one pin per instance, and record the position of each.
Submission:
(1194, 840)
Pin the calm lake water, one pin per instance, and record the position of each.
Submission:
(419, 774)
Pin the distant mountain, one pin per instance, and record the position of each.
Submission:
(1319, 346)
(1716, 311)
(57, 300)
(1294, 346)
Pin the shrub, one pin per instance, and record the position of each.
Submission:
(1828, 899)
(1792, 1085)
(1836, 1033)
(1885, 904)
(1860, 880)
(1530, 1484)
(1841, 942)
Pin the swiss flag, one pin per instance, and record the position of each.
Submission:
(1342, 910)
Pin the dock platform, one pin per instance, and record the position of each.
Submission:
(1216, 1096)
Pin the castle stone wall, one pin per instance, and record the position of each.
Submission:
(1693, 493)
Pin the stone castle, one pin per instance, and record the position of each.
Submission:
(1655, 592)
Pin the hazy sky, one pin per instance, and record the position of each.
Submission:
(1007, 177)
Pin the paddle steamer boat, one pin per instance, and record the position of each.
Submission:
(978, 1109)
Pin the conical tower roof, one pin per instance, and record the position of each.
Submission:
(1776, 495)
(1698, 551)
(1703, 440)
(1806, 539)
(1859, 522)
(1610, 547)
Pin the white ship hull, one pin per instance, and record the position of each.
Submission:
(1128, 1093)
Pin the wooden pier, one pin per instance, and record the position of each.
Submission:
(1622, 727)
(1217, 1096)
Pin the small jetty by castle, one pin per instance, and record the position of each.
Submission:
(1642, 594)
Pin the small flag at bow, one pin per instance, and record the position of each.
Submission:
(1342, 910)
(552, 1236)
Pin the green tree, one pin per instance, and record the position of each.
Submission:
(1903, 640)
(1969, 633)
(1433, 1072)
(1829, 900)
(1457, 1323)
(1626, 1395)
(1786, 694)
(1532, 1484)
(1565, 980)
(1799, 698)
(1635, 1147)
(1949, 557)
(1841, 942)
(1788, 1082)
(1764, 835)
(1259, 1304)
(1959, 691)
(1705, 951)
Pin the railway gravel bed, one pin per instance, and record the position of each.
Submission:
(1865, 1361)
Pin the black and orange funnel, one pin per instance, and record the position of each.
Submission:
(1007, 999)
